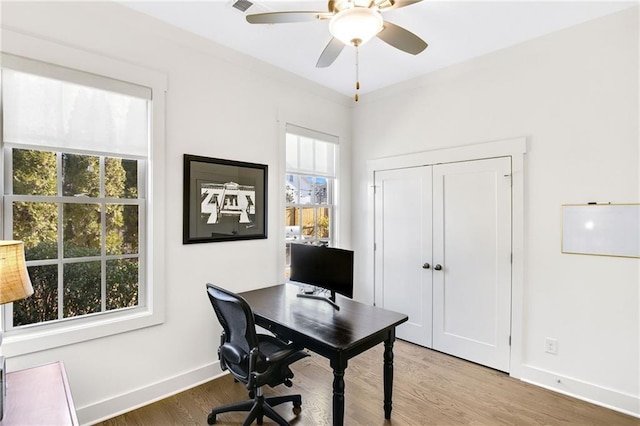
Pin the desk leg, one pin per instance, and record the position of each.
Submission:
(388, 373)
(338, 391)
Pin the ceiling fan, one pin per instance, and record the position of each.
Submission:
(351, 22)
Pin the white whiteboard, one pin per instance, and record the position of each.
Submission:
(601, 229)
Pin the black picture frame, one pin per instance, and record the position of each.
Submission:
(224, 200)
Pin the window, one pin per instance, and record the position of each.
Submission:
(76, 148)
(310, 187)
(75, 224)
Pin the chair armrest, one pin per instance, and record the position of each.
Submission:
(281, 354)
(233, 353)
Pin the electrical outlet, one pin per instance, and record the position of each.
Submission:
(551, 346)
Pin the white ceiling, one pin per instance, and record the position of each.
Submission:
(455, 31)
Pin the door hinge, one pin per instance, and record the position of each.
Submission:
(509, 340)
(375, 247)
(511, 258)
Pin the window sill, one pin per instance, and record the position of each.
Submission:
(48, 336)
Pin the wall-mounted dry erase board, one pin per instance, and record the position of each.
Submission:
(601, 229)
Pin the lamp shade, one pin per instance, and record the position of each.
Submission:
(14, 279)
(356, 26)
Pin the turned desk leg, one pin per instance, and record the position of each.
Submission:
(388, 373)
(338, 391)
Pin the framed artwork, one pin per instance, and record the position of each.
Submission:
(224, 200)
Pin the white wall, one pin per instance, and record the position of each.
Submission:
(574, 96)
(219, 104)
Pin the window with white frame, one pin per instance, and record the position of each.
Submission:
(310, 187)
(75, 148)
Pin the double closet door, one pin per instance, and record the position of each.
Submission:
(443, 256)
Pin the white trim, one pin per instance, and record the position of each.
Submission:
(47, 336)
(33, 339)
(609, 398)
(517, 264)
(503, 148)
(516, 149)
(129, 401)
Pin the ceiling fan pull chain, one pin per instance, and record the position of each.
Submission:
(357, 73)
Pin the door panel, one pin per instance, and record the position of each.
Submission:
(472, 243)
(403, 246)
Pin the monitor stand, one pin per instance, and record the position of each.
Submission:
(330, 300)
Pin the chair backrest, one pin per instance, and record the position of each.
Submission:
(235, 316)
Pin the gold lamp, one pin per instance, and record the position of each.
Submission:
(14, 279)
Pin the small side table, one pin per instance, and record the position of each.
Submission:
(39, 396)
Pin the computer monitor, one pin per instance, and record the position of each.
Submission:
(327, 267)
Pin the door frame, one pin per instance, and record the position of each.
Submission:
(516, 149)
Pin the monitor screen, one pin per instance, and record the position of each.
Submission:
(326, 267)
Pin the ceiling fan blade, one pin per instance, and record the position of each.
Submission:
(330, 53)
(286, 17)
(394, 4)
(401, 39)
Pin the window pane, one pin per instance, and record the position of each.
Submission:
(321, 191)
(306, 153)
(80, 175)
(292, 151)
(291, 189)
(306, 189)
(324, 223)
(81, 234)
(292, 223)
(308, 223)
(81, 289)
(34, 172)
(43, 304)
(122, 229)
(120, 178)
(122, 283)
(36, 224)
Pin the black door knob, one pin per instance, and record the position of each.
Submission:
(438, 267)
(426, 265)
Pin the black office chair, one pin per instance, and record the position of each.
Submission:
(253, 359)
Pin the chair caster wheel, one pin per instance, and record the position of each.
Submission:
(211, 419)
(297, 410)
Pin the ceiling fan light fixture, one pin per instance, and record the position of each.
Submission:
(355, 26)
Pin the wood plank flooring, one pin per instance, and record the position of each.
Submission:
(430, 388)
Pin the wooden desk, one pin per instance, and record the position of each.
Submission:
(338, 335)
(39, 396)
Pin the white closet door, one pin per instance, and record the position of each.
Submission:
(403, 249)
(472, 260)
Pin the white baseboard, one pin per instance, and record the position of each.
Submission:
(123, 403)
(609, 398)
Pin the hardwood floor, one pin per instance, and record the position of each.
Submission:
(430, 388)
